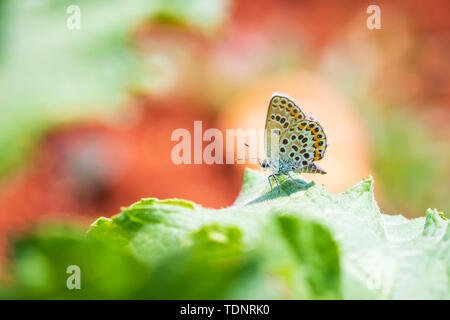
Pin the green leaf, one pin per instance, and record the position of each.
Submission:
(291, 243)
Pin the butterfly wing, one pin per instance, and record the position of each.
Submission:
(283, 112)
(302, 143)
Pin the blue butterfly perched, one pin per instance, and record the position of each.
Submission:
(293, 141)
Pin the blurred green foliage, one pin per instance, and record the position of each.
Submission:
(412, 162)
(50, 73)
(301, 244)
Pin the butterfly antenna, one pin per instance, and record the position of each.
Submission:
(248, 146)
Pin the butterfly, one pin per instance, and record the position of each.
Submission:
(293, 141)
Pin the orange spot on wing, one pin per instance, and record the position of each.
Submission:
(316, 155)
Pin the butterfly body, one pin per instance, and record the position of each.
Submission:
(293, 141)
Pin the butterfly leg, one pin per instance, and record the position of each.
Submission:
(295, 182)
(277, 182)
(270, 183)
